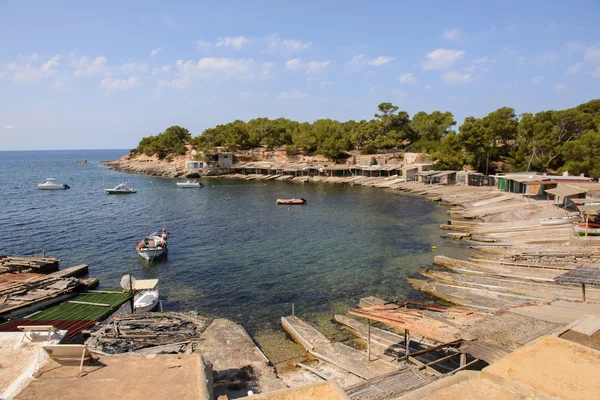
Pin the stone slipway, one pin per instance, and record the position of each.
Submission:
(228, 347)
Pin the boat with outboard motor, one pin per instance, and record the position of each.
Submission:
(51, 185)
(120, 189)
(153, 245)
(190, 184)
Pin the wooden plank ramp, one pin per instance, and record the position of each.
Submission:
(340, 355)
(76, 271)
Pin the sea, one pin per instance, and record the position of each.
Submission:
(233, 253)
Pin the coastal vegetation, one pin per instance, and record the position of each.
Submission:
(498, 142)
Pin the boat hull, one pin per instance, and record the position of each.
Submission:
(152, 253)
(291, 202)
(580, 230)
(558, 221)
(146, 301)
(112, 191)
(189, 185)
(53, 187)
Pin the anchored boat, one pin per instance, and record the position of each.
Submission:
(153, 245)
(51, 185)
(189, 184)
(300, 201)
(120, 189)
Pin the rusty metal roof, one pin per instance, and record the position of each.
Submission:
(73, 327)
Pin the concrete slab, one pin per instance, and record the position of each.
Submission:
(123, 377)
(19, 359)
(588, 326)
(553, 366)
(237, 363)
(559, 312)
(320, 391)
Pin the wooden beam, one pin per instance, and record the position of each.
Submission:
(434, 348)
(89, 304)
(583, 292)
(475, 361)
(440, 360)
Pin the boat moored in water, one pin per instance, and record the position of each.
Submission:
(120, 189)
(51, 185)
(190, 184)
(153, 245)
(300, 201)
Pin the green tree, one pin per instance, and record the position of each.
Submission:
(428, 129)
(581, 155)
(449, 154)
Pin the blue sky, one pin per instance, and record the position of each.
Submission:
(81, 75)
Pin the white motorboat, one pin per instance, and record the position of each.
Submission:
(190, 184)
(51, 185)
(153, 245)
(145, 301)
(559, 220)
(120, 189)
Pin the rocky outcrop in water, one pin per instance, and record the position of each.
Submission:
(174, 167)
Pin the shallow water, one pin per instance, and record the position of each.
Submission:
(233, 252)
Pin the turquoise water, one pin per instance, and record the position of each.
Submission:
(233, 252)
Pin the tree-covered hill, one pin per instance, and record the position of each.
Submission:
(500, 141)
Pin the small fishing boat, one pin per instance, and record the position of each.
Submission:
(593, 229)
(559, 220)
(153, 245)
(51, 185)
(120, 189)
(145, 301)
(300, 201)
(189, 184)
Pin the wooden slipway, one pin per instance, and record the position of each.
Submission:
(342, 356)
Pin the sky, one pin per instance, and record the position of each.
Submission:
(102, 75)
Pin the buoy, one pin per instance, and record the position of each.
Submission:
(434, 247)
(289, 209)
(123, 198)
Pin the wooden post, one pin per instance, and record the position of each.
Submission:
(587, 220)
(583, 292)
(406, 342)
(293, 309)
(463, 359)
(131, 300)
(368, 339)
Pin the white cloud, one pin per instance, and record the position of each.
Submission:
(131, 67)
(9, 127)
(442, 58)
(164, 69)
(170, 21)
(244, 94)
(592, 54)
(294, 95)
(357, 59)
(537, 79)
(310, 67)
(506, 86)
(543, 58)
(237, 42)
(155, 52)
(560, 87)
(455, 77)
(408, 79)
(23, 73)
(220, 68)
(574, 69)
(511, 29)
(202, 45)
(115, 85)
(452, 35)
(428, 87)
(381, 60)
(596, 73)
(575, 47)
(470, 68)
(327, 83)
(290, 45)
(482, 60)
(399, 93)
(2, 73)
(85, 67)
